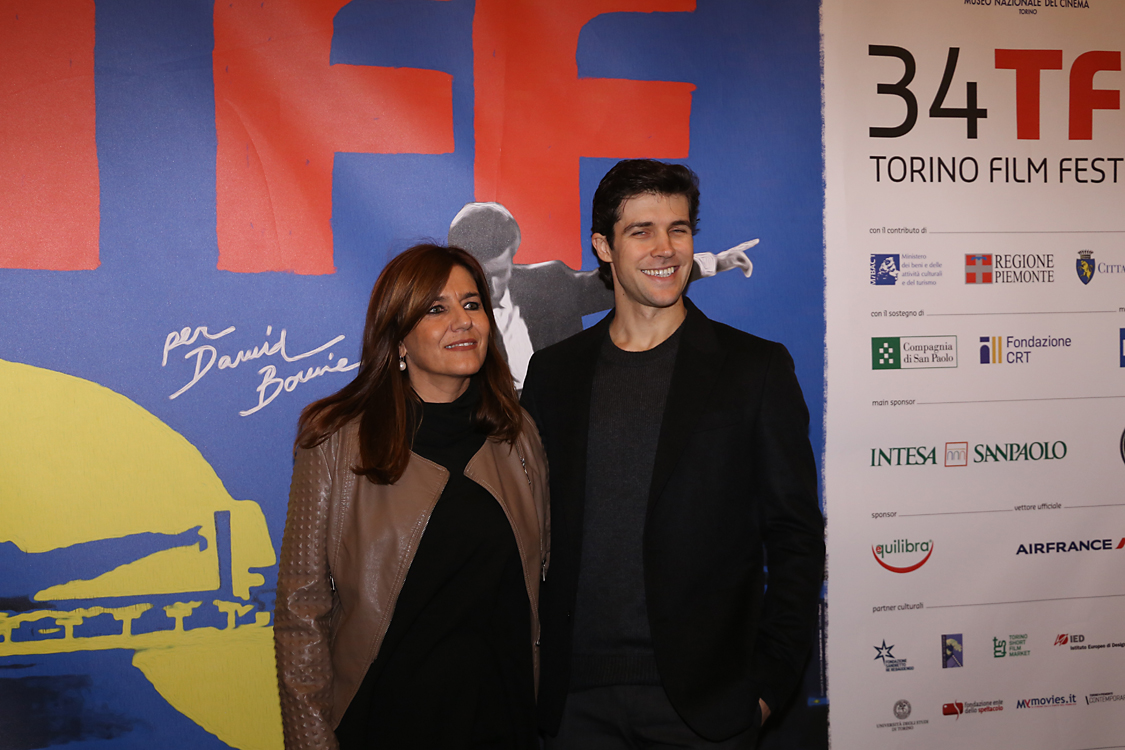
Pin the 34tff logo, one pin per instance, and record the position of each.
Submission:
(1030, 65)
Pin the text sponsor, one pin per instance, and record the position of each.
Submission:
(1017, 350)
(897, 607)
(890, 662)
(913, 352)
(1013, 645)
(1010, 268)
(1048, 701)
(903, 555)
(1083, 545)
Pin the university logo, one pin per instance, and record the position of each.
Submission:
(910, 550)
(957, 454)
(913, 352)
(902, 709)
(991, 350)
(1085, 266)
(884, 269)
(978, 269)
(952, 651)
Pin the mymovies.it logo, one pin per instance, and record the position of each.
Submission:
(1048, 701)
(903, 555)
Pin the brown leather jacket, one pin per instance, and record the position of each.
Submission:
(347, 547)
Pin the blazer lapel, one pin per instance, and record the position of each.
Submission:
(697, 363)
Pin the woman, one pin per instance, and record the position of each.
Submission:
(417, 532)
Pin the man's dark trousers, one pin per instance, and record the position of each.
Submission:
(733, 475)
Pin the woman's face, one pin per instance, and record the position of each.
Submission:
(449, 343)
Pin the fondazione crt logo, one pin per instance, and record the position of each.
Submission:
(913, 352)
(903, 555)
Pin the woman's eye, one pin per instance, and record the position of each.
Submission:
(436, 310)
(472, 305)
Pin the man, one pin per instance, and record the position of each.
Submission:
(539, 304)
(678, 449)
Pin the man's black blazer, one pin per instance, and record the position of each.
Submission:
(734, 474)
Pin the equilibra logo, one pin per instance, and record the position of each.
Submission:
(1014, 268)
(913, 352)
(1084, 545)
(1048, 701)
(959, 453)
(904, 554)
(1014, 350)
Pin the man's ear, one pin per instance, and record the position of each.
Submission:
(601, 247)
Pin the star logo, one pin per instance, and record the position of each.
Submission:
(884, 652)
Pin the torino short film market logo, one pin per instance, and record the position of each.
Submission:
(903, 555)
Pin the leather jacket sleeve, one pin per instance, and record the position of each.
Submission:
(304, 605)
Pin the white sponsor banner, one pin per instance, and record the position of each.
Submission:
(975, 178)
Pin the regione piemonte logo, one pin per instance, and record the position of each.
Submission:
(978, 269)
(913, 352)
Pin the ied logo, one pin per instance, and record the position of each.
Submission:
(1085, 266)
(884, 269)
(952, 651)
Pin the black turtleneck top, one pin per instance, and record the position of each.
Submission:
(455, 668)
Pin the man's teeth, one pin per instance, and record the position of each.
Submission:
(661, 273)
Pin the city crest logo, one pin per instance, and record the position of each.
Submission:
(913, 352)
(1085, 266)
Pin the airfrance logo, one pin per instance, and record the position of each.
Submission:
(913, 352)
(905, 551)
(1050, 700)
(1085, 545)
(885, 269)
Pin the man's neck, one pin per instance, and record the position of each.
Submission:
(636, 328)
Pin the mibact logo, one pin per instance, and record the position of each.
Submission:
(904, 551)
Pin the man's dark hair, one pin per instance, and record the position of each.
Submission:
(633, 177)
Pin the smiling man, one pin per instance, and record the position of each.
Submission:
(680, 465)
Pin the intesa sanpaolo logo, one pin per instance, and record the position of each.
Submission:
(903, 555)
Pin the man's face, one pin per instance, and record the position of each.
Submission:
(652, 251)
(499, 273)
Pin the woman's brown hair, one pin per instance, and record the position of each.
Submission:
(380, 397)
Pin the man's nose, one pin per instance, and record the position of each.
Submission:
(663, 246)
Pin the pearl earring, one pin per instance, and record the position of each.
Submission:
(402, 362)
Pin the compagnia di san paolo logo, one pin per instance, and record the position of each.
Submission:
(902, 555)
